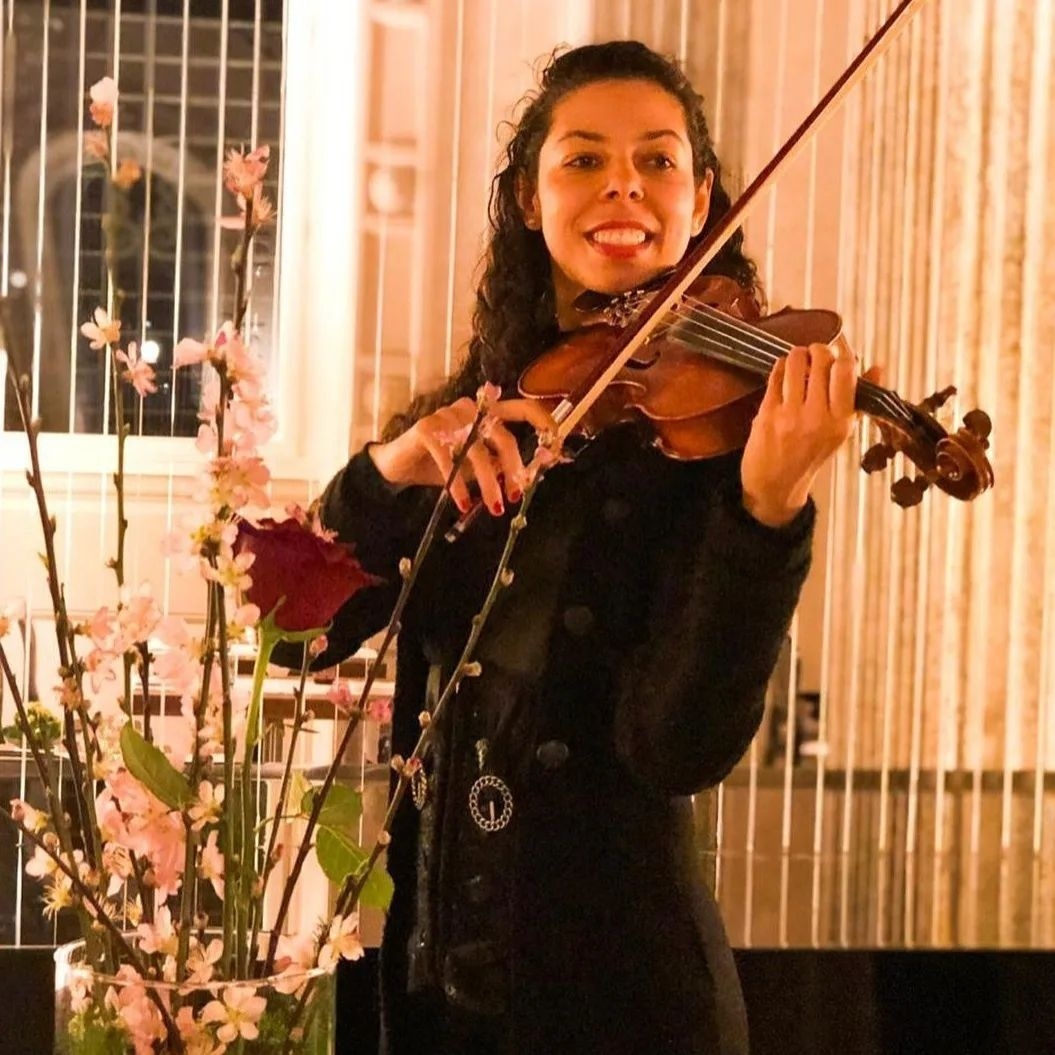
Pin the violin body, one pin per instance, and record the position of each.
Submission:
(698, 407)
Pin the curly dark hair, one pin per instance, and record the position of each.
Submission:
(515, 314)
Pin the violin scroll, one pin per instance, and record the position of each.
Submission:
(956, 464)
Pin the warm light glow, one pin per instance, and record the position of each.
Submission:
(150, 351)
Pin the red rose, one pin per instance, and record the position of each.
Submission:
(315, 576)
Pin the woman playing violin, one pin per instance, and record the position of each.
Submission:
(625, 667)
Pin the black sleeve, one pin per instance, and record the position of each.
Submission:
(692, 696)
(384, 524)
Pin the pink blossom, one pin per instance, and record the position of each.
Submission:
(238, 1013)
(99, 666)
(239, 481)
(104, 98)
(341, 697)
(117, 862)
(243, 173)
(159, 937)
(295, 958)
(342, 941)
(196, 1036)
(201, 961)
(140, 374)
(263, 212)
(207, 806)
(487, 395)
(211, 865)
(41, 864)
(379, 709)
(137, 616)
(102, 331)
(190, 352)
(128, 173)
(138, 1013)
(27, 816)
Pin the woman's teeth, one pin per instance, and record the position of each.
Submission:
(619, 236)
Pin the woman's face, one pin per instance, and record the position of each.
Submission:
(616, 198)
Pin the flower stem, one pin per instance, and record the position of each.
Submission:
(247, 863)
(298, 722)
(427, 539)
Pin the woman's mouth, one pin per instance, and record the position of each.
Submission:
(619, 241)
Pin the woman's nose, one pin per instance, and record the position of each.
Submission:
(624, 181)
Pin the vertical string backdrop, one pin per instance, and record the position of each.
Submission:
(938, 619)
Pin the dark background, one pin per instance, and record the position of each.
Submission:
(800, 1002)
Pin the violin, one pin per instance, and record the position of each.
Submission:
(699, 377)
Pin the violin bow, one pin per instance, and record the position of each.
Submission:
(638, 331)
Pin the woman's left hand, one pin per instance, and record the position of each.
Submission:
(806, 415)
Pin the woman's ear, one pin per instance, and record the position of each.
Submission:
(527, 198)
(702, 204)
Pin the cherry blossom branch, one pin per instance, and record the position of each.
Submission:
(188, 895)
(409, 571)
(54, 802)
(102, 917)
(298, 723)
(84, 803)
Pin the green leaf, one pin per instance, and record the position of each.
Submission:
(378, 890)
(299, 786)
(339, 855)
(152, 769)
(342, 809)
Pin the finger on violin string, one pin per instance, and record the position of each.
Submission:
(795, 371)
(842, 384)
(818, 380)
(774, 386)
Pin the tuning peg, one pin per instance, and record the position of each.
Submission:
(908, 492)
(938, 399)
(978, 424)
(877, 457)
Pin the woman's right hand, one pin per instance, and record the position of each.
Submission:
(423, 454)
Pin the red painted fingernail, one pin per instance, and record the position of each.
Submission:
(464, 505)
(515, 495)
(497, 508)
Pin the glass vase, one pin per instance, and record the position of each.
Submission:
(123, 1014)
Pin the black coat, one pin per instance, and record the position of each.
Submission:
(623, 670)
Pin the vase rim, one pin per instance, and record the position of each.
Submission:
(67, 970)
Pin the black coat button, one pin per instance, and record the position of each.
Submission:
(578, 620)
(552, 754)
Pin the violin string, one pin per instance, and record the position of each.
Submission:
(894, 406)
(701, 320)
(889, 401)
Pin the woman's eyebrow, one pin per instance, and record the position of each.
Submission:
(597, 137)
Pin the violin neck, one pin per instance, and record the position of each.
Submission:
(739, 344)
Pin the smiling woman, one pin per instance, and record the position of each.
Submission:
(547, 892)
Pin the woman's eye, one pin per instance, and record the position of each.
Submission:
(663, 161)
(583, 161)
